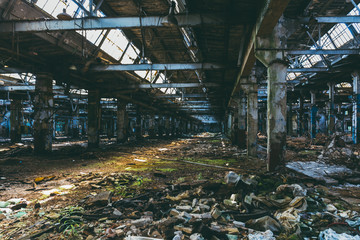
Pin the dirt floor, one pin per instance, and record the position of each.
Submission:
(169, 188)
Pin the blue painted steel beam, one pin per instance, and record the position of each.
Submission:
(104, 23)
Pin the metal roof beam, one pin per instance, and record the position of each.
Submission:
(201, 95)
(171, 85)
(302, 70)
(25, 88)
(317, 51)
(12, 70)
(267, 18)
(156, 67)
(332, 19)
(104, 23)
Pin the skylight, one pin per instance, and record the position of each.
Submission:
(115, 43)
(336, 37)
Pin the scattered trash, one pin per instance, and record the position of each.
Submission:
(119, 206)
(139, 160)
(267, 235)
(330, 234)
(318, 170)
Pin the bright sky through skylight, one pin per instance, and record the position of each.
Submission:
(115, 44)
(336, 37)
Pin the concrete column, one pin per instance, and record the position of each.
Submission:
(356, 108)
(252, 117)
(331, 107)
(43, 120)
(242, 121)
(75, 125)
(167, 126)
(138, 131)
(143, 125)
(314, 111)
(234, 123)
(301, 117)
(276, 100)
(176, 127)
(121, 127)
(182, 127)
(94, 118)
(110, 127)
(152, 126)
(160, 126)
(173, 127)
(289, 123)
(15, 120)
(276, 114)
(74, 121)
(229, 124)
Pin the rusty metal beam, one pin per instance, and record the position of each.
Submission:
(104, 23)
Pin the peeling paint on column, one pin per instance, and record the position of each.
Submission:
(121, 130)
(138, 129)
(43, 119)
(252, 117)
(15, 117)
(276, 115)
(276, 108)
(152, 126)
(94, 115)
(331, 125)
(167, 126)
(242, 121)
(314, 111)
(356, 108)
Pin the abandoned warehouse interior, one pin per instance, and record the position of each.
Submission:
(183, 119)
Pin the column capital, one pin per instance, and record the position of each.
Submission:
(44, 75)
(355, 74)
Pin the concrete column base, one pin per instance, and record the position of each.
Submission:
(15, 121)
(43, 120)
(94, 117)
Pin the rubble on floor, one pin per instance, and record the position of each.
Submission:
(150, 202)
(237, 208)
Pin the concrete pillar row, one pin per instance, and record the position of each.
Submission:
(314, 111)
(138, 130)
(356, 107)
(228, 123)
(331, 107)
(276, 100)
(242, 121)
(252, 117)
(94, 118)
(15, 120)
(160, 125)
(43, 119)
(152, 126)
(289, 123)
(121, 127)
(234, 123)
(301, 123)
(167, 126)
(172, 126)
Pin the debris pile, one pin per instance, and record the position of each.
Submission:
(340, 151)
(242, 207)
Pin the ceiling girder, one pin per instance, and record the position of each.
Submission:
(104, 23)
(332, 19)
(172, 85)
(316, 51)
(156, 67)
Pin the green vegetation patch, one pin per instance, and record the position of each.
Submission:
(166, 169)
(219, 162)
